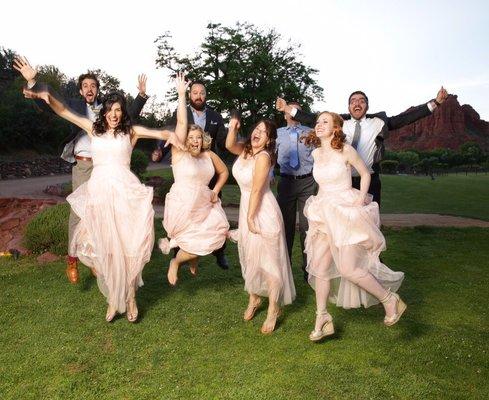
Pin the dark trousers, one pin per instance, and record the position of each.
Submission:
(374, 188)
(292, 195)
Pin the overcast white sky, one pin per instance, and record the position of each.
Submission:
(398, 52)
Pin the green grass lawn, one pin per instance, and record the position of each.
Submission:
(452, 194)
(191, 342)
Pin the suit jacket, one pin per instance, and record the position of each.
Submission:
(214, 126)
(80, 107)
(390, 123)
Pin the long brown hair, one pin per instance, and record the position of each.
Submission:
(337, 142)
(271, 130)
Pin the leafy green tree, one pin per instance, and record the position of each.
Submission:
(244, 68)
(472, 153)
(407, 159)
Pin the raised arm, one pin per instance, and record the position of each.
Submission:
(301, 116)
(232, 144)
(181, 128)
(52, 99)
(356, 162)
(260, 176)
(140, 100)
(418, 112)
(222, 175)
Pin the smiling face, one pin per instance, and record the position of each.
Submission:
(194, 142)
(113, 117)
(259, 137)
(358, 105)
(324, 125)
(89, 90)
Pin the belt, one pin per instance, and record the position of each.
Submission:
(296, 176)
(83, 158)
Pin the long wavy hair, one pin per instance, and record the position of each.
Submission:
(100, 126)
(271, 130)
(206, 138)
(337, 142)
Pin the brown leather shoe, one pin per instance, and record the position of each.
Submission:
(72, 269)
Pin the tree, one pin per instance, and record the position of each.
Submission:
(407, 159)
(472, 153)
(244, 68)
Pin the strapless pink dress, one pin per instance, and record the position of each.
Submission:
(346, 231)
(191, 221)
(263, 257)
(115, 235)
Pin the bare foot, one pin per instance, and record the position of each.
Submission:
(269, 324)
(173, 272)
(132, 310)
(194, 266)
(111, 312)
(253, 306)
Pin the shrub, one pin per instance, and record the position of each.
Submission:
(139, 162)
(162, 190)
(389, 166)
(48, 230)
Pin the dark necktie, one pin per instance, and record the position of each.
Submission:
(356, 135)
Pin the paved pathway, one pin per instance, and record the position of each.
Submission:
(33, 187)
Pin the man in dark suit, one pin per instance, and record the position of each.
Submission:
(77, 144)
(367, 132)
(199, 113)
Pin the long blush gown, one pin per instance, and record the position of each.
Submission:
(191, 221)
(263, 257)
(115, 235)
(344, 240)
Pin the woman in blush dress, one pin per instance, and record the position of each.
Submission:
(344, 241)
(115, 235)
(194, 219)
(261, 238)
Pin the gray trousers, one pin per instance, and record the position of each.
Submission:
(291, 196)
(79, 175)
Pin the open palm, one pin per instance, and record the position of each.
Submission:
(22, 65)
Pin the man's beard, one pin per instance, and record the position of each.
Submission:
(198, 107)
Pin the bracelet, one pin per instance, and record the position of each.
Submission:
(436, 102)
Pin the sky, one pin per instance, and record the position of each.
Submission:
(398, 52)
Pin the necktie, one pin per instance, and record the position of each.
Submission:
(356, 135)
(294, 150)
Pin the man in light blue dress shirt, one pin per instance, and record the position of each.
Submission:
(296, 183)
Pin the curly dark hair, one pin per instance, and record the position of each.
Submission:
(88, 75)
(271, 130)
(125, 126)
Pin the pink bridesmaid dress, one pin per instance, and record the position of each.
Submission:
(191, 221)
(346, 232)
(263, 257)
(115, 235)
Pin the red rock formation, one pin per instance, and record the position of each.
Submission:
(14, 216)
(450, 126)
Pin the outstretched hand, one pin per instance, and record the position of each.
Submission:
(442, 95)
(24, 67)
(142, 84)
(181, 84)
(30, 94)
(234, 123)
(174, 141)
(280, 104)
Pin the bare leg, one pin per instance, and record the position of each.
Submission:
(367, 282)
(131, 306)
(181, 257)
(253, 305)
(194, 266)
(273, 308)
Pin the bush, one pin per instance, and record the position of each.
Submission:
(48, 230)
(139, 162)
(162, 190)
(389, 166)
